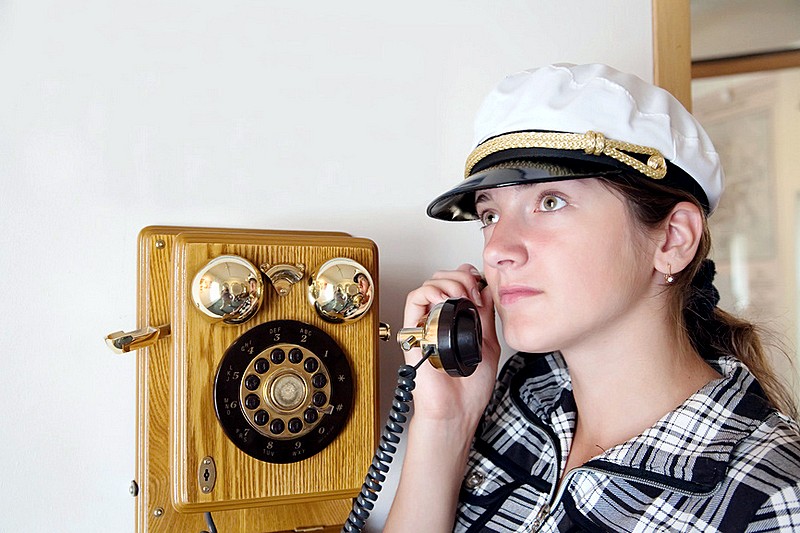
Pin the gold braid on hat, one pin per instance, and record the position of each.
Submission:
(590, 142)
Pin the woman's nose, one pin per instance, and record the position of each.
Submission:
(504, 245)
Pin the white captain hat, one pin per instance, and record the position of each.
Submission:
(568, 121)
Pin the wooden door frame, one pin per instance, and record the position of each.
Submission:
(673, 68)
(672, 48)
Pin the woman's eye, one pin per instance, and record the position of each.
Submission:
(551, 202)
(488, 218)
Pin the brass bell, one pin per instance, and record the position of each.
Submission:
(341, 290)
(228, 289)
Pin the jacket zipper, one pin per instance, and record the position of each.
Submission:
(546, 509)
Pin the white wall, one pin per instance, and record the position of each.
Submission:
(259, 114)
(759, 26)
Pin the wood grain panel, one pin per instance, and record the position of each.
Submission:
(726, 66)
(672, 48)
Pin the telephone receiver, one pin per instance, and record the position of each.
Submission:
(449, 337)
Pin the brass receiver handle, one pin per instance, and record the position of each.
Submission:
(125, 341)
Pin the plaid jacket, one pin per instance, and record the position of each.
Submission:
(722, 461)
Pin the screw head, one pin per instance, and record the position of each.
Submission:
(160, 243)
(158, 511)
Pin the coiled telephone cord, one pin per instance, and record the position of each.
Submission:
(212, 528)
(364, 503)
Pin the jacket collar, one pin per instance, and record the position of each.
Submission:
(688, 448)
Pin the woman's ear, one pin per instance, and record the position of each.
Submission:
(679, 238)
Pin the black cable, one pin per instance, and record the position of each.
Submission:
(364, 503)
(212, 528)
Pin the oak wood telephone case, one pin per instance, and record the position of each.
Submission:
(256, 377)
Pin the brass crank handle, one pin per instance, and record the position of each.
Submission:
(126, 341)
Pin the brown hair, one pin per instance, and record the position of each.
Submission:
(710, 334)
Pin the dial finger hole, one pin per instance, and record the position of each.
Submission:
(310, 365)
(277, 356)
(295, 425)
(295, 355)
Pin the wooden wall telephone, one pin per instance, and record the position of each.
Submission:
(256, 404)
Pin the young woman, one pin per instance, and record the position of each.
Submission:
(633, 403)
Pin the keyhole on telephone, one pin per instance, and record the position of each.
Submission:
(206, 475)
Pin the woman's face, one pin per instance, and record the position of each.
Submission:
(565, 263)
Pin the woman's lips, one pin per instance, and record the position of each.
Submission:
(511, 294)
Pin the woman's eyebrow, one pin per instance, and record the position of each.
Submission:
(481, 197)
(486, 196)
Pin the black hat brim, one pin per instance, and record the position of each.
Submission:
(530, 165)
(459, 202)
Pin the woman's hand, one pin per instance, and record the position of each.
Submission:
(446, 412)
(439, 397)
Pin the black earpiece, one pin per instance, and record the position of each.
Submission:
(450, 337)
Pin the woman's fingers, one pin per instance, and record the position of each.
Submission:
(491, 344)
(441, 286)
(470, 279)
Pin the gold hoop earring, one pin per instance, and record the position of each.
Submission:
(668, 277)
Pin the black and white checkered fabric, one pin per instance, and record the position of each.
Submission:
(722, 461)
